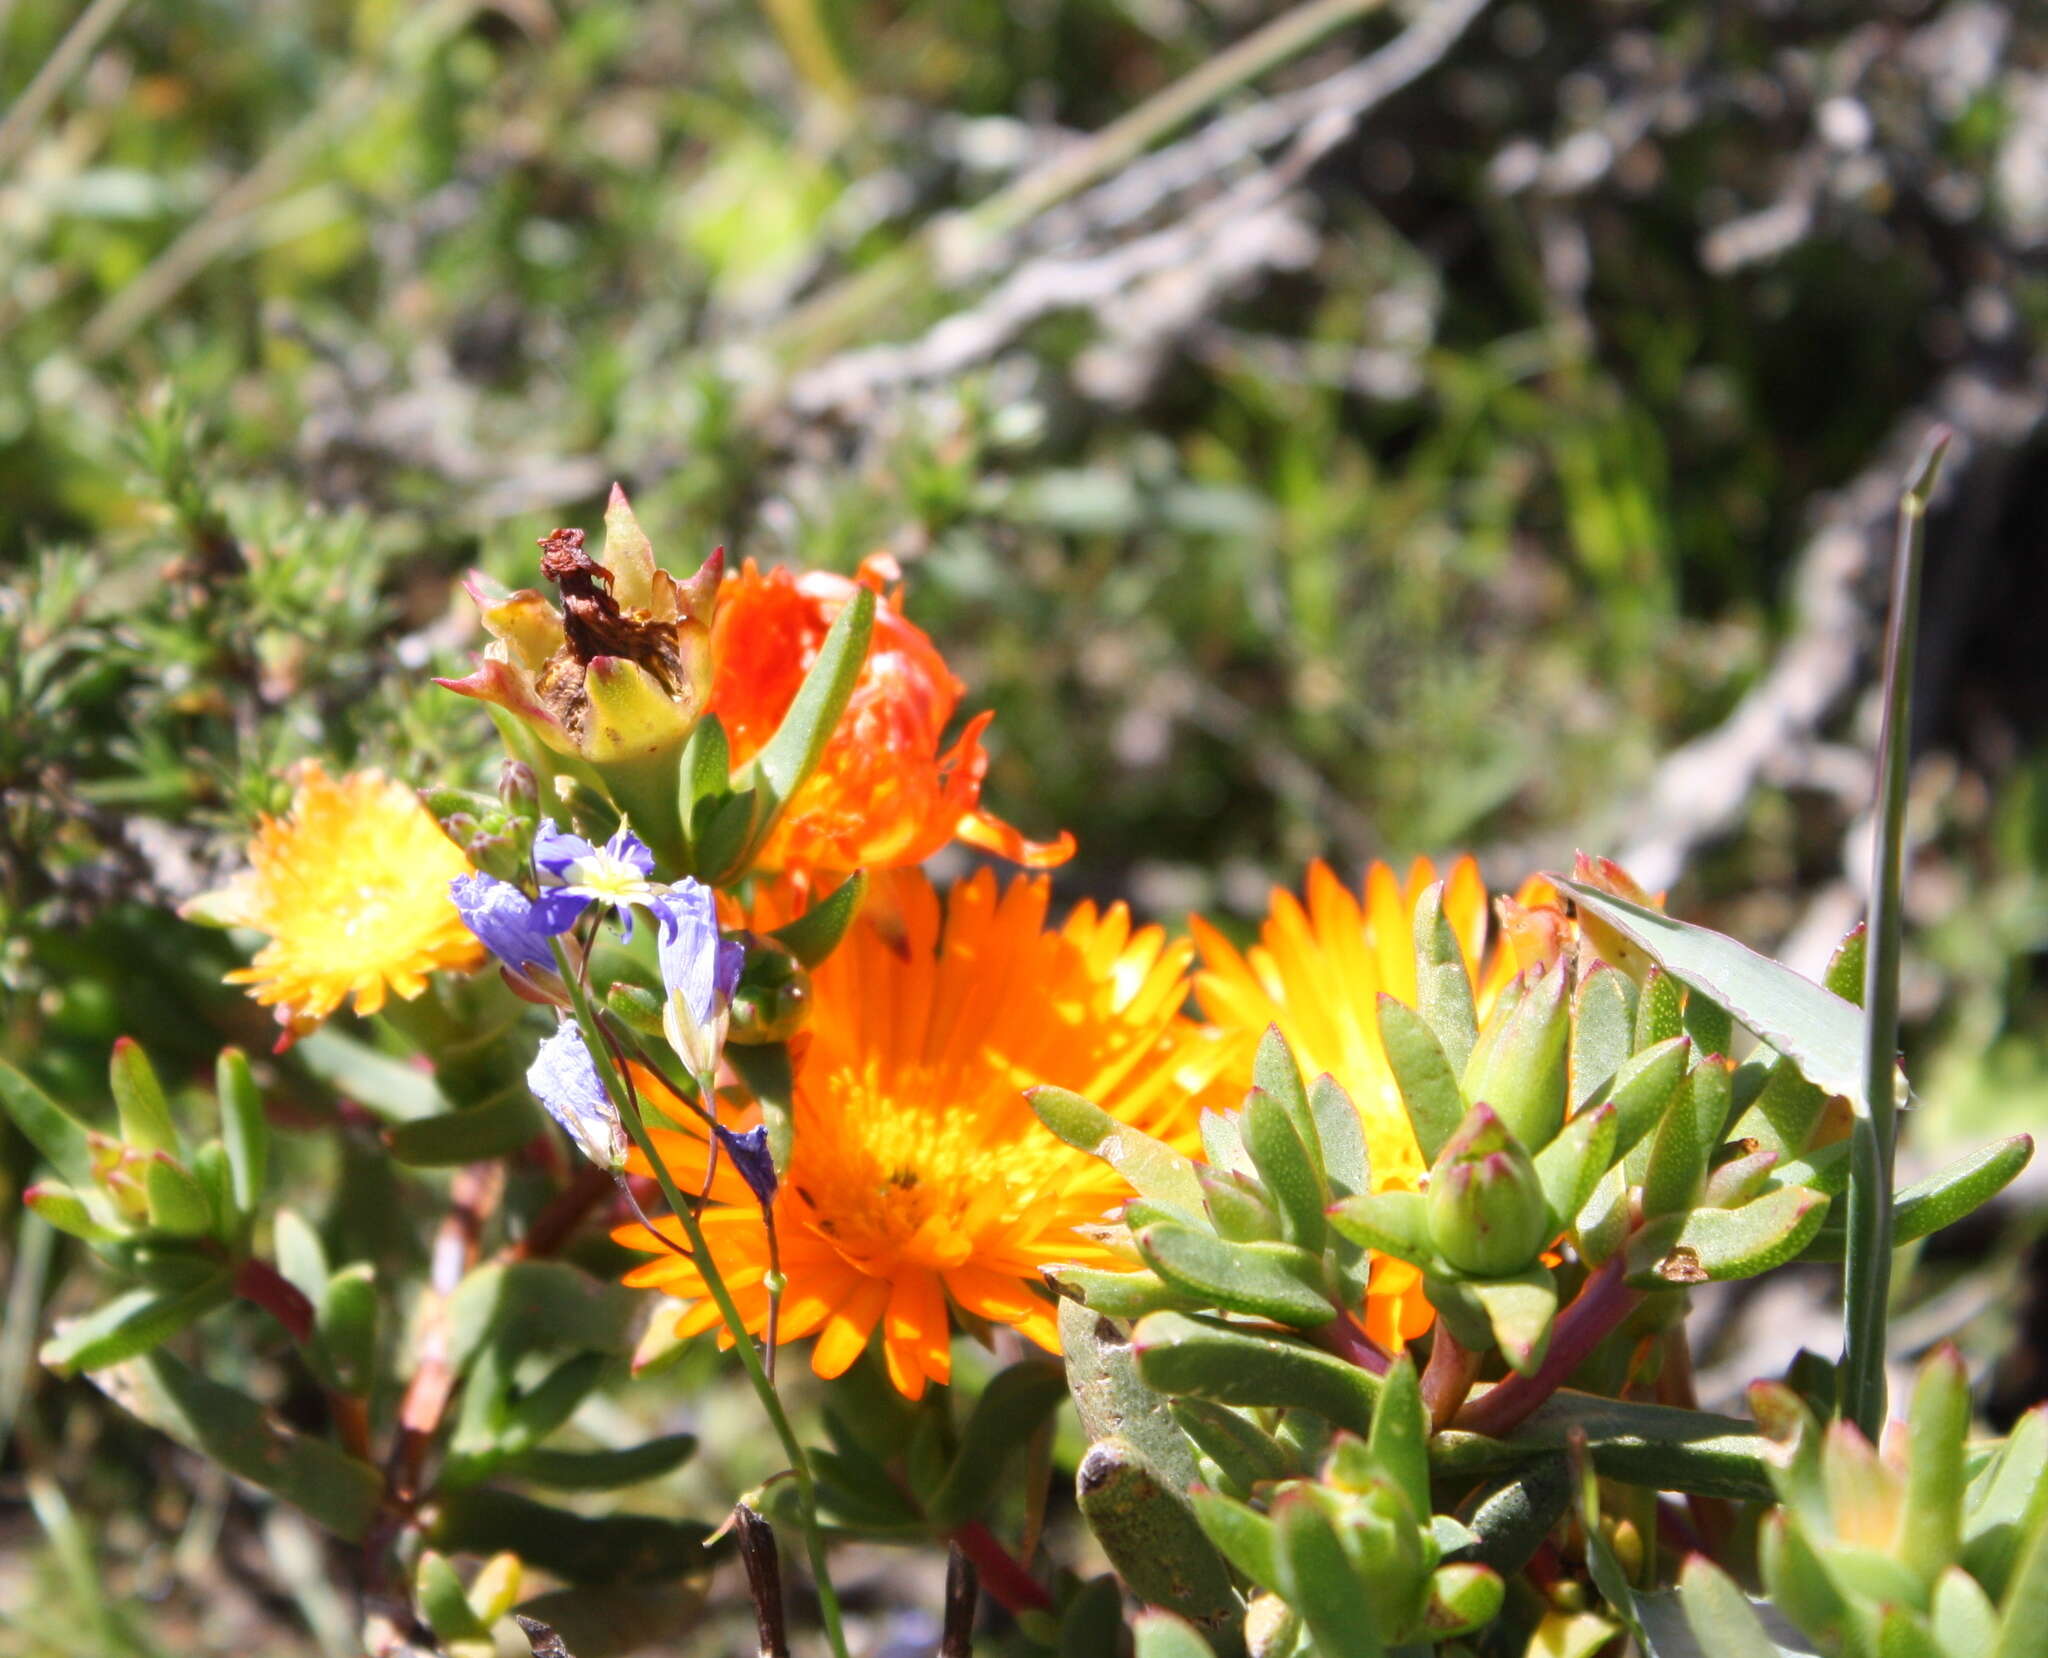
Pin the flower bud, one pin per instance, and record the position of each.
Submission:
(1486, 1210)
(1463, 1596)
(519, 789)
(772, 1000)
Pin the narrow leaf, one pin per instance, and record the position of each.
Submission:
(139, 1099)
(475, 1134)
(132, 1323)
(792, 753)
(1423, 1073)
(1151, 1535)
(1234, 1365)
(605, 1470)
(243, 1129)
(1151, 1166)
(1260, 1280)
(51, 1129)
(815, 934)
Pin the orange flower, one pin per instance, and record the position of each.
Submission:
(919, 1180)
(883, 794)
(1317, 972)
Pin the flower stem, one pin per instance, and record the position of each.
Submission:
(1448, 1377)
(1591, 1318)
(1007, 1583)
(594, 1038)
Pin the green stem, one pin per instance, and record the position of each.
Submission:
(799, 1464)
(1867, 1278)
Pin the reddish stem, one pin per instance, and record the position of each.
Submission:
(1007, 1583)
(1602, 1304)
(277, 1295)
(1448, 1377)
(1343, 1336)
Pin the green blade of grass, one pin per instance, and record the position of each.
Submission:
(1866, 1282)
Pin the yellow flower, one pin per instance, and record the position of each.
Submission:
(919, 1180)
(1318, 971)
(352, 886)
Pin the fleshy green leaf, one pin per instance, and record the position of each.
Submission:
(1233, 1365)
(1725, 1243)
(1121, 1294)
(1008, 1412)
(1399, 1441)
(1286, 1166)
(68, 1212)
(178, 1204)
(1677, 1168)
(1246, 1453)
(51, 1129)
(604, 1470)
(605, 1549)
(1110, 1396)
(1512, 1515)
(1151, 1535)
(1942, 1199)
(1660, 1010)
(132, 1323)
(1318, 1579)
(1603, 1033)
(1157, 1634)
(1151, 1166)
(1815, 1027)
(1423, 1073)
(1443, 986)
(1261, 1280)
(706, 769)
(1346, 1161)
(1659, 1446)
(1393, 1222)
(792, 754)
(243, 1129)
(442, 1601)
(815, 934)
(139, 1099)
(1643, 1088)
(1845, 967)
(1720, 1615)
(335, 1490)
(1521, 1311)
(1570, 1167)
(1242, 1535)
(473, 1135)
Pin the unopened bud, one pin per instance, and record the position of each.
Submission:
(1486, 1210)
(519, 789)
(772, 1001)
(1463, 1596)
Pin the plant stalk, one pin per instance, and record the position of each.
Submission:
(1593, 1316)
(1867, 1273)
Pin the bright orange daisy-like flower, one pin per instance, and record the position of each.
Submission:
(884, 793)
(919, 1179)
(1317, 972)
(351, 885)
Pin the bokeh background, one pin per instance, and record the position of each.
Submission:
(1339, 431)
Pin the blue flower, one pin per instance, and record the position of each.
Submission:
(575, 874)
(510, 924)
(564, 1080)
(750, 1155)
(699, 968)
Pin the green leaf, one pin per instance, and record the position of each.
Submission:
(706, 769)
(1261, 1280)
(1570, 1167)
(178, 1204)
(1443, 985)
(1092, 1626)
(1735, 1182)
(68, 1212)
(389, 1087)
(1942, 1199)
(1521, 1311)
(1286, 1167)
(1112, 1399)
(792, 754)
(1341, 1133)
(538, 1305)
(1243, 1450)
(1721, 1244)
(1708, 1024)
(2007, 1503)
(1938, 1423)
(605, 1470)
(1121, 1294)
(595, 1549)
(1816, 1028)
(1236, 1206)
(1965, 1622)
(1845, 967)
(1603, 1034)
(1677, 1170)
(1006, 1415)
(1232, 1365)
(1720, 1614)
(1242, 1535)
(1400, 1433)
(443, 1603)
(346, 1318)
(473, 1135)
(1660, 1010)
(1395, 1223)
(1658, 1446)
(1643, 1088)
(1319, 1581)
(1511, 1516)
(724, 830)
(1151, 1535)
(51, 1129)
(1422, 1071)
(1157, 1634)
(243, 1129)
(1602, 1225)
(766, 1070)
(132, 1323)
(1275, 1073)
(1154, 1168)
(139, 1099)
(1520, 1067)
(815, 934)
(1785, 1112)
(335, 1490)
(622, 1620)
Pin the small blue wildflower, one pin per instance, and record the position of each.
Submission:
(749, 1152)
(699, 968)
(575, 874)
(509, 923)
(564, 1080)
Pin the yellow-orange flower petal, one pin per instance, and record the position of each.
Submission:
(919, 1180)
(1317, 972)
(351, 884)
(884, 792)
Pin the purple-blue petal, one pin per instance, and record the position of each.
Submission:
(511, 925)
(557, 911)
(554, 849)
(564, 1080)
(630, 848)
(696, 963)
(750, 1155)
